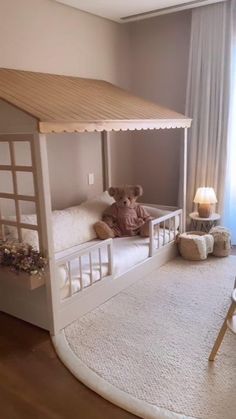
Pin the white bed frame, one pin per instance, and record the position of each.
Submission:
(37, 301)
(96, 293)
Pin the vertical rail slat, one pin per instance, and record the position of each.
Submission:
(91, 268)
(184, 192)
(169, 224)
(164, 233)
(110, 259)
(151, 237)
(100, 262)
(70, 279)
(15, 188)
(80, 273)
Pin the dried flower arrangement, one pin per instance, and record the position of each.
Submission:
(21, 257)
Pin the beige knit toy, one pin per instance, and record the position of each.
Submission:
(195, 245)
(222, 241)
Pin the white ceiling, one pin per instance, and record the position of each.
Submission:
(119, 9)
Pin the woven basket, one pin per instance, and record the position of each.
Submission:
(195, 245)
(222, 241)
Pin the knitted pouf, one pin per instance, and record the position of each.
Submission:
(195, 245)
(222, 241)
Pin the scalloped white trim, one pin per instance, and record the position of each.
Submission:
(106, 390)
(98, 126)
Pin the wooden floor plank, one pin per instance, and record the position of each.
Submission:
(34, 384)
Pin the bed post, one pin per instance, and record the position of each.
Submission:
(44, 202)
(106, 160)
(184, 190)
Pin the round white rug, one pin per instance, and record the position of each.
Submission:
(147, 348)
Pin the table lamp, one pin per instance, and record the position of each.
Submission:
(205, 198)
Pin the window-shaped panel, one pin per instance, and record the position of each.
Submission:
(30, 237)
(5, 153)
(25, 183)
(28, 212)
(22, 153)
(8, 209)
(11, 233)
(6, 181)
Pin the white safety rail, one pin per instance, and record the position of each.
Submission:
(163, 230)
(104, 258)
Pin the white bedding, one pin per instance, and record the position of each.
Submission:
(73, 230)
(127, 252)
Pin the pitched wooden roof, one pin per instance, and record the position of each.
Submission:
(73, 104)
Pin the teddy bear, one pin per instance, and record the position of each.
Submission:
(125, 217)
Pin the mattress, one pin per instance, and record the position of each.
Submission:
(127, 252)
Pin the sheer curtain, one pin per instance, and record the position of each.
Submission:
(230, 196)
(208, 99)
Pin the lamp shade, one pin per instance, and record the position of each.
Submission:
(205, 196)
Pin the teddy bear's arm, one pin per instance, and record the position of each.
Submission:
(142, 213)
(110, 215)
(108, 220)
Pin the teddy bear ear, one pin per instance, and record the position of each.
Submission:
(138, 190)
(112, 191)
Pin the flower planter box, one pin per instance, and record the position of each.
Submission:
(22, 279)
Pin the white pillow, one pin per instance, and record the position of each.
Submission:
(70, 226)
(74, 225)
(157, 212)
(97, 205)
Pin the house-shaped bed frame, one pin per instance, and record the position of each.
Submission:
(62, 104)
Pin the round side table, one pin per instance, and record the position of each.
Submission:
(203, 224)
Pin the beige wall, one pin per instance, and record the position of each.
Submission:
(15, 121)
(159, 59)
(42, 35)
(150, 57)
(74, 156)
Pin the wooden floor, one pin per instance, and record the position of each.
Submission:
(35, 385)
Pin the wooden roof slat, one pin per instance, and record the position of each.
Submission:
(19, 90)
(65, 114)
(73, 104)
(57, 104)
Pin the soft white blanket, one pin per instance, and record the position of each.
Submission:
(127, 252)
